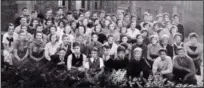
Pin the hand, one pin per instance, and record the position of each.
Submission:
(185, 78)
(188, 70)
(60, 63)
(81, 69)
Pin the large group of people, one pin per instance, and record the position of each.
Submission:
(98, 42)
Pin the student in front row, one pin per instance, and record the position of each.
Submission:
(163, 65)
(77, 60)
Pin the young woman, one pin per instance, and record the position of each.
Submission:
(53, 30)
(113, 31)
(165, 44)
(178, 42)
(145, 34)
(101, 36)
(194, 50)
(173, 32)
(68, 31)
(107, 58)
(60, 29)
(80, 36)
(48, 24)
(119, 24)
(105, 26)
(37, 50)
(8, 41)
(74, 26)
(21, 51)
(153, 49)
(32, 27)
(51, 47)
(124, 42)
(132, 32)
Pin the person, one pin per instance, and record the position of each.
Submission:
(113, 46)
(163, 65)
(194, 50)
(95, 67)
(77, 60)
(36, 51)
(94, 43)
(47, 25)
(124, 42)
(51, 47)
(153, 49)
(32, 26)
(132, 32)
(173, 31)
(184, 68)
(113, 31)
(60, 29)
(23, 22)
(165, 44)
(145, 34)
(178, 42)
(101, 36)
(137, 66)
(66, 44)
(8, 41)
(21, 51)
(140, 44)
(68, 31)
(176, 21)
(25, 13)
(120, 62)
(59, 60)
(107, 58)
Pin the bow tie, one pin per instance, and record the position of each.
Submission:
(10, 40)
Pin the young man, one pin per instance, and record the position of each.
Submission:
(25, 13)
(184, 67)
(163, 65)
(23, 22)
(107, 58)
(113, 46)
(66, 44)
(95, 43)
(137, 65)
(77, 60)
(96, 65)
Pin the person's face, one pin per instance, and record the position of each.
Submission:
(138, 54)
(23, 21)
(173, 30)
(94, 54)
(181, 53)
(95, 16)
(60, 11)
(49, 13)
(11, 29)
(73, 25)
(67, 29)
(165, 41)
(176, 19)
(95, 38)
(178, 39)
(25, 12)
(154, 41)
(133, 25)
(57, 17)
(87, 14)
(114, 18)
(35, 22)
(39, 28)
(102, 15)
(108, 18)
(160, 19)
(140, 39)
(127, 18)
(62, 53)
(134, 19)
(22, 36)
(156, 27)
(81, 17)
(120, 16)
(24, 28)
(98, 28)
(121, 54)
(146, 18)
(107, 22)
(120, 23)
(34, 15)
(194, 40)
(81, 30)
(53, 38)
(66, 40)
(61, 24)
(39, 36)
(144, 34)
(52, 30)
(124, 39)
(112, 27)
(85, 22)
(166, 17)
(110, 40)
(77, 49)
(97, 22)
(49, 22)
(106, 51)
(123, 30)
(163, 55)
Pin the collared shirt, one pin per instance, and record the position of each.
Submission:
(50, 49)
(164, 66)
(133, 33)
(100, 61)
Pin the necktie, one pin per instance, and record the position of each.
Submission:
(10, 40)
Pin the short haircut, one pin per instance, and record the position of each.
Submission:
(94, 49)
(106, 46)
(162, 50)
(24, 8)
(75, 44)
(54, 27)
(37, 33)
(63, 36)
(121, 48)
(110, 36)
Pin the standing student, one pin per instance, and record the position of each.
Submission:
(176, 21)
(178, 42)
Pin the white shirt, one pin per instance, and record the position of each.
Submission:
(113, 50)
(69, 62)
(132, 33)
(60, 32)
(50, 49)
(5, 41)
(165, 66)
(100, 61)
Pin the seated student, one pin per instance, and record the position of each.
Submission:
(137, 65)
(163, 65)
(178, 42)
(101, 36)
(165, 44)
(107, 58)
(8, 41)
(59, 60)
(113, 46)
(95, 43)
(37, 49)
(194, 50)
(66, 44)
(124, 42)
(76, 60)
(21, 51)
(184, 67)
(96, 65)
(140, 43)
(51, 47)
(120, 62)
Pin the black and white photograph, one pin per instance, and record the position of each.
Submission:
(101, 43)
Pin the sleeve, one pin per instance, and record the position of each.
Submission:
(101, 63)
(175, 63)
(69, 60)
(191, 65)
(155, 66)
(47, 51)
(169, 68)
(4, 39)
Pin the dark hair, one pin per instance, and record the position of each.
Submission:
(61, 21)
(94, 49)
(38, 32)
(76, 44)
(9, 24)
(178, 34)
(110, 36)
(59, 49)
(111, 23)
(145, 24)
(95, 27)
(24, 8)
(106, 46)
(57, 39)
(37, 19)
(94, 34)
(162, 50)
(139, 36)
(83, 27)
(64, 36)
(90, 24)
(118, 21)
(69, 13)
(54, 27)
(39, 25)
(34, 11)
(121, 48)
(193, 35)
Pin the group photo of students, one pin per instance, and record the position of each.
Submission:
(96, 42)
